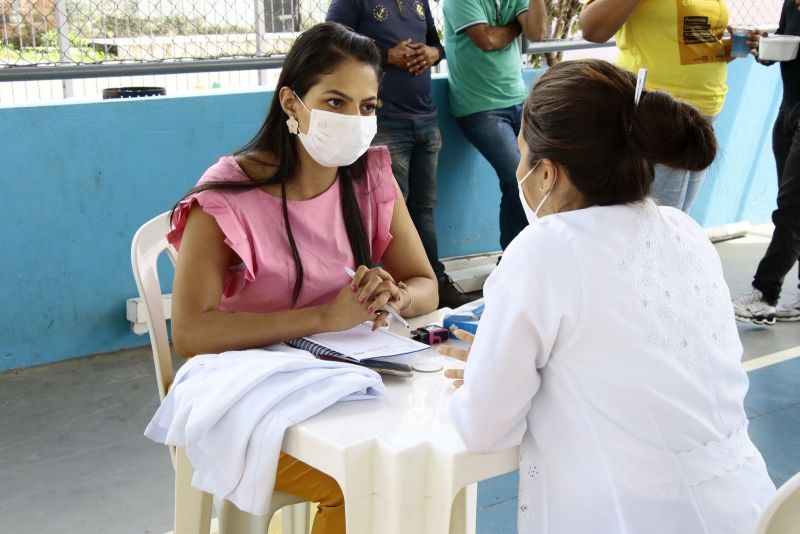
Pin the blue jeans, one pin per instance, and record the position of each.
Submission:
(494, 133)
(677, 187)
(414, 145)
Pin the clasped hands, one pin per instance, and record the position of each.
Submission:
(416, 58)
(363, 300)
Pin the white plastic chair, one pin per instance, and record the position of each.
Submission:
(781, 515)
(192, 506)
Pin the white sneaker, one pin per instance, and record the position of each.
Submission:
(788, 311)
(751, 308)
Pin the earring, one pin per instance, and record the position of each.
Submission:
(293, 125)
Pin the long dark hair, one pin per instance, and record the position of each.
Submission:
(316, 52)
(581, 114)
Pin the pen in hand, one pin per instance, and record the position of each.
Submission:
(386, 307)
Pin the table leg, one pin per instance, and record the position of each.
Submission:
(442, 516)
(358, 515)
(463, 515)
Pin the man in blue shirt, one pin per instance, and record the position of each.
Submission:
(405, 33)
(486, 87)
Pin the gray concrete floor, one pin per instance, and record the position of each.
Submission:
(73, 458)
(72, 455)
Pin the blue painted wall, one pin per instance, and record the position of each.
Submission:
(78, 180)
(742, 184)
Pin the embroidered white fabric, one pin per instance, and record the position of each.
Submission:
(609, 353)
(667, 321)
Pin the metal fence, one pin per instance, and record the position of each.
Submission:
(91, 31)
(144, 37)
(755, 12)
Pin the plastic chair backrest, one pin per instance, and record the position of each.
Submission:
(782, 514)
(148, 244)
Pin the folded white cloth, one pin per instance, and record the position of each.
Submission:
(230, 412)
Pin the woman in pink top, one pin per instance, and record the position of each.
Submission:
(265, 236)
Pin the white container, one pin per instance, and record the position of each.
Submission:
(778, 47)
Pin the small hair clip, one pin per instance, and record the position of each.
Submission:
(639, 85)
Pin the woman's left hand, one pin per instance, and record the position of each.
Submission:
(378, 288)
(460, 354)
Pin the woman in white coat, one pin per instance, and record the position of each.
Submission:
(608, 349)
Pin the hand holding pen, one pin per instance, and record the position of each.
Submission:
(380, 289)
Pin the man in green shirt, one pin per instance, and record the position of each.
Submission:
(486, 87)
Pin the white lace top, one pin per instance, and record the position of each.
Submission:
(608, 352)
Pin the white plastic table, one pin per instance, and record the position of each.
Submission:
(399, 461)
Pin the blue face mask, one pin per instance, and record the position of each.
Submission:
(531, 214)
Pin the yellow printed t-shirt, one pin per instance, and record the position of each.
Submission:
(679, 42)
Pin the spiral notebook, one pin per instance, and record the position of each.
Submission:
(379, 350)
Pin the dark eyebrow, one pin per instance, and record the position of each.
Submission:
(346, 97)
(338, 93)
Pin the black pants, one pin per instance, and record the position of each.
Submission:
(784, 249)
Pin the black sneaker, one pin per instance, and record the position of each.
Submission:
(450, 296)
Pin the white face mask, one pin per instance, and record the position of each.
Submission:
(335, 139)
(530, 214)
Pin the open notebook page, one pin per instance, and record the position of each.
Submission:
(361, 343)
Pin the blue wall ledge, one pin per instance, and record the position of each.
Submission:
(80, 178)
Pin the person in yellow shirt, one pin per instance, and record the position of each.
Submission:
(680, 44)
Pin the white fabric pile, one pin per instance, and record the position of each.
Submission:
(230, 412)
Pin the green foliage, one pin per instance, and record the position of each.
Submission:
(123, 18)
(34, 55)
(28, 44)
(50, 38)
(536, 61)
(22, 35)
(563, 25)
